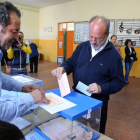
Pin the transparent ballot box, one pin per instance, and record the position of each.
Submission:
(28, 80)
(76, 123)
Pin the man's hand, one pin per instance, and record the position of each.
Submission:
(39, 96)
(58, 72)
(30, 88)
(94, 88)
(19, 43)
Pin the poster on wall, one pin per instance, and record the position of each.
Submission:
(128, 29)
(81, 31)
(112, 28)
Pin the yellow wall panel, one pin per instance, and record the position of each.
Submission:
(36, 41)
(48, 48)
(74, 46)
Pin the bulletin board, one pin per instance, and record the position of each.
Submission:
(128, 29)
(81, 31)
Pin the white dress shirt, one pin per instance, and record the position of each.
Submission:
(94, 52)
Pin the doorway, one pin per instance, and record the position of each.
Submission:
(65, 39)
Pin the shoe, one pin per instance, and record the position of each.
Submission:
(126, 83)
(30, 72)
(35, 71)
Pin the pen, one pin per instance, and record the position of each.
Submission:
(28, 132)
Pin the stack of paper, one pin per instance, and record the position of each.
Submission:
(53, 101)
(60, 128)
(57, 103)
(34, 136)
(20, 123)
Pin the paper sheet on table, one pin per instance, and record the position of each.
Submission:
(64, 85)
(20, 123)
(34, 136)
(82, 87)
(21, 79)
(53, 100)
(54, 109)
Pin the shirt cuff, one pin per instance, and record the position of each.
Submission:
(27, 99)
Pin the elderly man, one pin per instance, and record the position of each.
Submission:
(113, 39)
(97, 64)
(9, 27)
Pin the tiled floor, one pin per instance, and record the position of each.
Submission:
(124, 107)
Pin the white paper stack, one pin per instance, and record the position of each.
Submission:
(20, 123)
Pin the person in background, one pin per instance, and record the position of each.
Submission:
(97, 64)
(17, 53)
(130, 54)
(10, 132)
(118, 48)
(14, 107)
(113, 39)
(33, 57)
(4, 61)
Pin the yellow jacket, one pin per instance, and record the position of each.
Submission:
(25, 48)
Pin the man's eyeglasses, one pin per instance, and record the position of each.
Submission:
(98, 39)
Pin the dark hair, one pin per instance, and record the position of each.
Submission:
(105, 20)
(10, 132)
(6, 8)
(126, 42)
(113, 36)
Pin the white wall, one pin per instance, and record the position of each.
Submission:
(29, 21)
(83, 10)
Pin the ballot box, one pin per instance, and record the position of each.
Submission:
(73, 117)
(27, 80)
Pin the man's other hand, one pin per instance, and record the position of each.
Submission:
(39, 96)
(30, 88)
(58, 72)
(94, 88)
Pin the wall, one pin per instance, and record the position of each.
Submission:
(81, 10)
(29, 22)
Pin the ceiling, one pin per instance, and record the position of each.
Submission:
(38, 3)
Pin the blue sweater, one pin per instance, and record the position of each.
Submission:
(105, 69)
(34, 50)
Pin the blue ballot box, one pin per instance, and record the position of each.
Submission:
(72, 123)
(27, 80)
